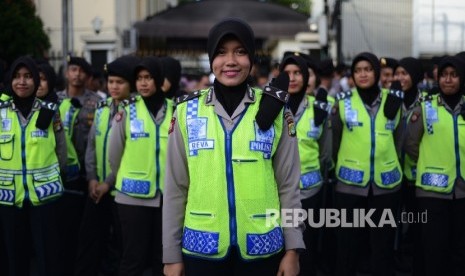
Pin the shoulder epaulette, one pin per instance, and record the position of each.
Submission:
(4, 104)
(425, 97)
(188, 97)
(343, 95)
(102, 103)
(48, 105)
(129, 101)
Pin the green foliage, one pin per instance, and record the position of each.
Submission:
(21, 31)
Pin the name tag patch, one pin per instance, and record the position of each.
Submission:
(39, 133)
(137, 129)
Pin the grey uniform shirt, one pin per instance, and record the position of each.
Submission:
(115, 154)
(324, 144)
(415, 132)
(60, 139)
(286, 165)
(91, 159)
(337, 127)
(85, 119)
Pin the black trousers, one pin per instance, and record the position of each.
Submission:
(141, 239)
(443, 236)
(99, 230)
(381, 239)
(232, 265)
(38, 222)
(308, 258)
(70, 209)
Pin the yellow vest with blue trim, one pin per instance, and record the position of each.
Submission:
(68, 114)
(29, 167)
(367, 151)
(143, 178)
(441, 157)
(102, 122)
(231, 182)
(308, 135)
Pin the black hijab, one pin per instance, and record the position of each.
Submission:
(23, 104)
(230, 96)
(456, 62)
(295, 99)
(153, 65)
(369, 94)
(415, 69)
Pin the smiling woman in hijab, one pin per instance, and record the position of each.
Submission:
(435, 138)
(30, 162)
(224, 173)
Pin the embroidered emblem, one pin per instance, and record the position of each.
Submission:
(197, 135)
(173, 121)
(290, 123)
(263, 141)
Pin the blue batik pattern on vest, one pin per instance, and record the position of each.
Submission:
(311, 178)
(47, 190)
(434, 179)
(200, 242)
(135, 186)
(351, 175)
(265, 244)
(390, 177)
(7, 195)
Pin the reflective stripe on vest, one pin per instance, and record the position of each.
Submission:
(367, 151)
(309, 150)
(144, 138)
(28, 161)
(441, 151)
(228, 201)
(69, 114)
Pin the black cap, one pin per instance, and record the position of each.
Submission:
(153, 65)
(85, 66)
(231, 26)
(123, 67)
(388, 62)
(414, 68)
(372, 59)
(29, 63)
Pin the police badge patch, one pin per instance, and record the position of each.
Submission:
(290, 123)
(197, 135)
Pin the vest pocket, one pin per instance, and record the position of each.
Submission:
(47, 184)
(7, 189)
(6, 146)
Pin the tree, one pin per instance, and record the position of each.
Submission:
(21, 31)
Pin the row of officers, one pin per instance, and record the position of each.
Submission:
(183, 186)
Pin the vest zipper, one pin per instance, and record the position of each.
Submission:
(23, 156)
(231, 195)
(457, 150)
(157, 157)
(372, 151)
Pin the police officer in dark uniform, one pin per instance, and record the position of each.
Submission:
(77, 110)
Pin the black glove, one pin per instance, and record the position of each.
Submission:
(394, 100)
(320, 106)
(274, 98)
(76, 103)
(434, 89)
(46, 114)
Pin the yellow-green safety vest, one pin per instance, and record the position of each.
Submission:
(231, 182)
(143, 178)
(29, 168)
(367, 151)
(69, 114)
(309, 151)
(441, 158)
